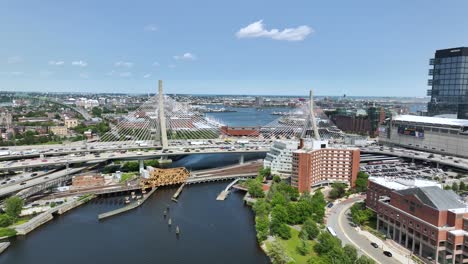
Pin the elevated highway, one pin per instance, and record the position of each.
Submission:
(118, 155)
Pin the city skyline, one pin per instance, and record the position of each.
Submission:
(209, 48)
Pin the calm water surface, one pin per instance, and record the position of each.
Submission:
(211, 231)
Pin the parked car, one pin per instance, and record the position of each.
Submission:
(374, 245)
(388, 254)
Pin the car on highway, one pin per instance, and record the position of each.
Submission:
(23, 183)
(46, 177)
(34, 174)
(374, 245)
(330, 205)
(388, 254)
(44, 160)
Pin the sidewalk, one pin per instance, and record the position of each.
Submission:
(398, 252)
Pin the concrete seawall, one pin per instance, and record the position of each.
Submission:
(3, 246)
(126, 208)
(46, 216)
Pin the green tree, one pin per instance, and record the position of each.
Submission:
(318, 206)
(13, 206)
(363, 259)
(96, 111)
(361, 181)
(264, 172)
(326, 243)
(350, 252)
(462, 186)
(280, 229)
(276, 178)
(302, 248)
(280, 213)
(262, 226)
(311, 228)
(455, 187)
(278, 199)
(338, 190)
(278, 254)
(5, 220)
(255, 188)
(317, 260)
(261, 207)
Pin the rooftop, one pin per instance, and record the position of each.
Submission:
(432, 120)
(435, 197)
(396, 183)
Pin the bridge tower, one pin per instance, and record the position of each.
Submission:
(311, 119)
(162, 118)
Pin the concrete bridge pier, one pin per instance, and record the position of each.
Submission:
(241, 158)
(142, 165)
(165, 160)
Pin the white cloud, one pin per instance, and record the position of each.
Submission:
(124, 64)
(80, 63)
(146, 76)
(84, 75)
(151, 27)
(125, 74)
(14, 59)
(257, 30)
(156, 64)
(172, 66)
(185, 56)
(56, 63)
(111, 73)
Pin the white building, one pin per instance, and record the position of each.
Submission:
(279, 158)
(432, 134)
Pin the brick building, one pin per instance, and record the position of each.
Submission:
(240, 131)
(316, 164)
(86, 181)
(59, 130)
(366, 124)
(422, 217)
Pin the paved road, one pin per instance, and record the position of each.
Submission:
(348, 235)
(36, 181)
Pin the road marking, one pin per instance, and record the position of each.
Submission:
(356, 245)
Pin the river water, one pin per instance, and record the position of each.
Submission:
(211, 231)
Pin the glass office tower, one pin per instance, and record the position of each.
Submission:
(449, 81)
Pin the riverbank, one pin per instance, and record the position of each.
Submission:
(211, 232)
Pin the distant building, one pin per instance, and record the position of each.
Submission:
(316, 164)
(433, 134)
(279, 158)
(365, 123)
(240, 131)
(259, 101)
(420, 216)
(5, 119)
(71, 122)
(32, 119)
(449, 83)
(59, 130)
(86, 181)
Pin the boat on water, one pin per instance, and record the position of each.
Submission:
(177, 230)
(169, 222)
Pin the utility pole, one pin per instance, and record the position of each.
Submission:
(162, 118)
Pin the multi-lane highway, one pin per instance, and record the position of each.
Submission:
(126, 155)
(13, 188)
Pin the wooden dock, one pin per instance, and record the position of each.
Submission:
(128, 207)
(177, 193)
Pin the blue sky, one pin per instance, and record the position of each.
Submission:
(359, 47)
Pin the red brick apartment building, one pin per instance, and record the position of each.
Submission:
(422, 217)
(319, 164)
